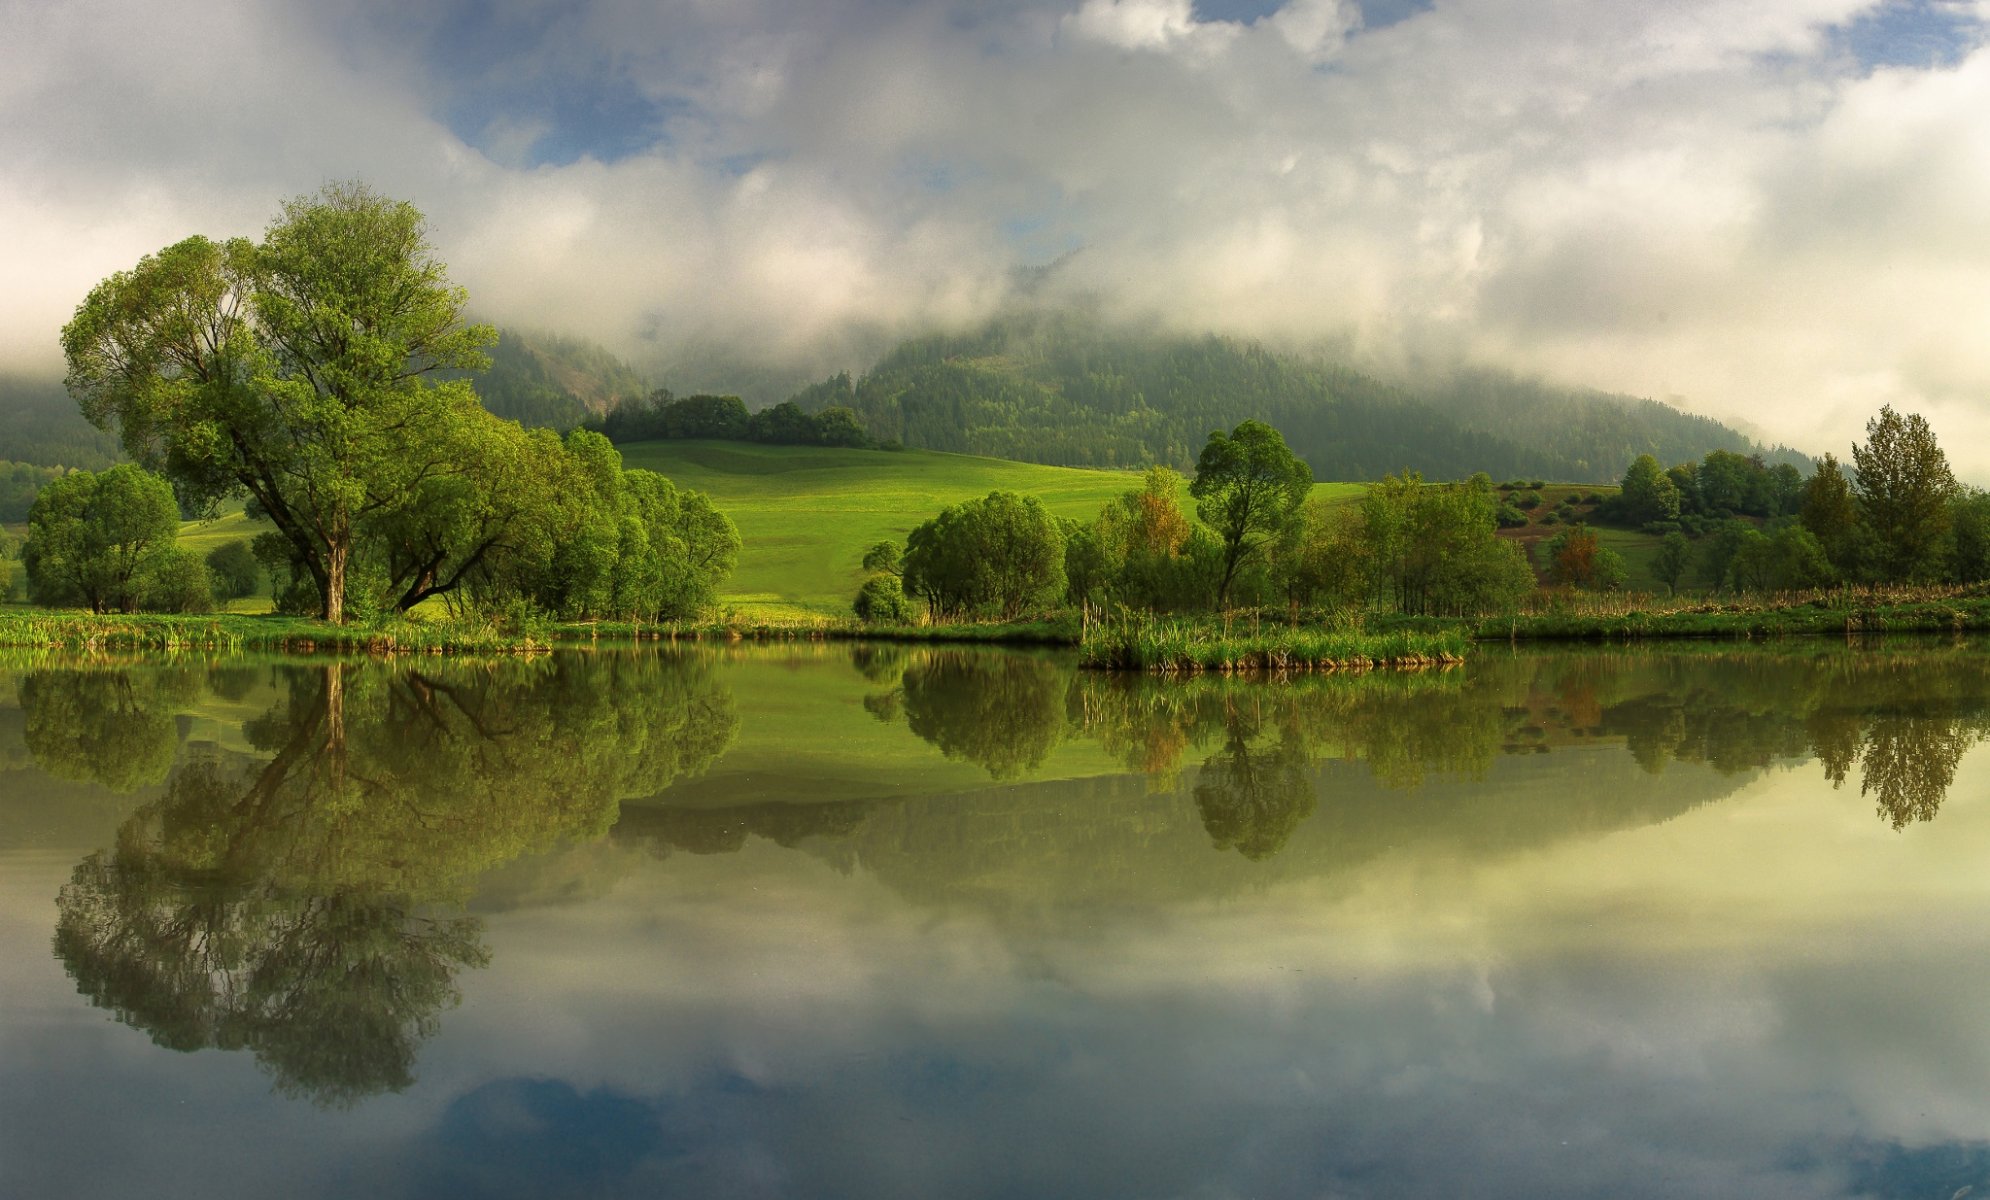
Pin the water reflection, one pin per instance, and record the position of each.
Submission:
(111, 727)
(1904, 718)
(302, 900)
(298, 889)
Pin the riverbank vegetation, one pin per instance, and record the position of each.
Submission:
(314, 387)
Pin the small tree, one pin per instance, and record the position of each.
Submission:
(176, 581)
(232, 568)
(90, 535)
(1675, 555)
(1249, 486)
(1576, 559)
(1648, 493)
(1905, 491)
(883, 558)
(1828, 510)
(882, 601)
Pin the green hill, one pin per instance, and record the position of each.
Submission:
(806, 514)
(1056, 386)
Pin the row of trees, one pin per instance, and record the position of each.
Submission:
(724, 418)
(1898, 516)
(1256, 538)
(1004, 555)
(317, 373)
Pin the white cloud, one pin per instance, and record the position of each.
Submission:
(1705, 199)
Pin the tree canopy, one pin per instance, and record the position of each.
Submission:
(93, 536)
(318, 373)
(1248, 487)
(1904, 493)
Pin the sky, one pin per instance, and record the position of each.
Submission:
(1775, 212)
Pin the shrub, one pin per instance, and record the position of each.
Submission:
(1537, 484)
(176, 581)
(1509, 517)
(232, 568)
(882, 601)
(1552, 519)
(1528, 500)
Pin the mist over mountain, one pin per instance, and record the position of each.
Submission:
(1062, 387)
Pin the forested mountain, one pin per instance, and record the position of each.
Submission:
(544, 379)
(1057, 387)
(42, 434)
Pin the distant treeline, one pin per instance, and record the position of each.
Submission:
(41, 426)
(724, 418)
(1057, 387)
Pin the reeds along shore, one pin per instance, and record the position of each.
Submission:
(1154, 644)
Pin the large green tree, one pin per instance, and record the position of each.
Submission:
(1905, 492)
(1002, 554)
(1249, 487)
(294, 370)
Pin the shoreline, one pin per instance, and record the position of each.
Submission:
(1152, 645)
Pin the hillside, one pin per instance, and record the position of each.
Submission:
(542, 379)
(806, 514)
(1058, 387)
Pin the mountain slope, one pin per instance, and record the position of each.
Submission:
(1057, 387)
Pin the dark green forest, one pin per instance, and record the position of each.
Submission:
(1058, 387)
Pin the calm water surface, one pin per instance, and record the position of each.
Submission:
(875, 922)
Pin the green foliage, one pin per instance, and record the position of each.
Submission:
(1648, 494)
(19, 484)
(882, 601)
(883, 557)
(1972, 536)
(233, 569)
(1000, 555)
(1414, 547)
(91, 537)
(1507, 516)
(1248, 489)
(1674, 557)
(1831, 514)
(299, 371)
(1904, 493)
(176, 581)
(1528, 500)
(292, 370)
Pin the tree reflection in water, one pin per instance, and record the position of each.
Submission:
(1002, 712)
(304, 902)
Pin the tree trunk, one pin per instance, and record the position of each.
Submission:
(335, 563)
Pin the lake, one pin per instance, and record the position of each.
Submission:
(826, 920)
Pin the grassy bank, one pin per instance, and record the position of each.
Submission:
(1188, 647)
(1838, 612)
(1134, 644)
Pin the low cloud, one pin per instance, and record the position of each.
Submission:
(1769, 213)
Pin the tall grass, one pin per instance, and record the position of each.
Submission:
(1178, 647)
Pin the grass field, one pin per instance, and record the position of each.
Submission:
(806, 514)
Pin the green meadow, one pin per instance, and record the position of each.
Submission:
(806, 514)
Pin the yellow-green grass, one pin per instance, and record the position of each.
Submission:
(806, 514)
(231, 525)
